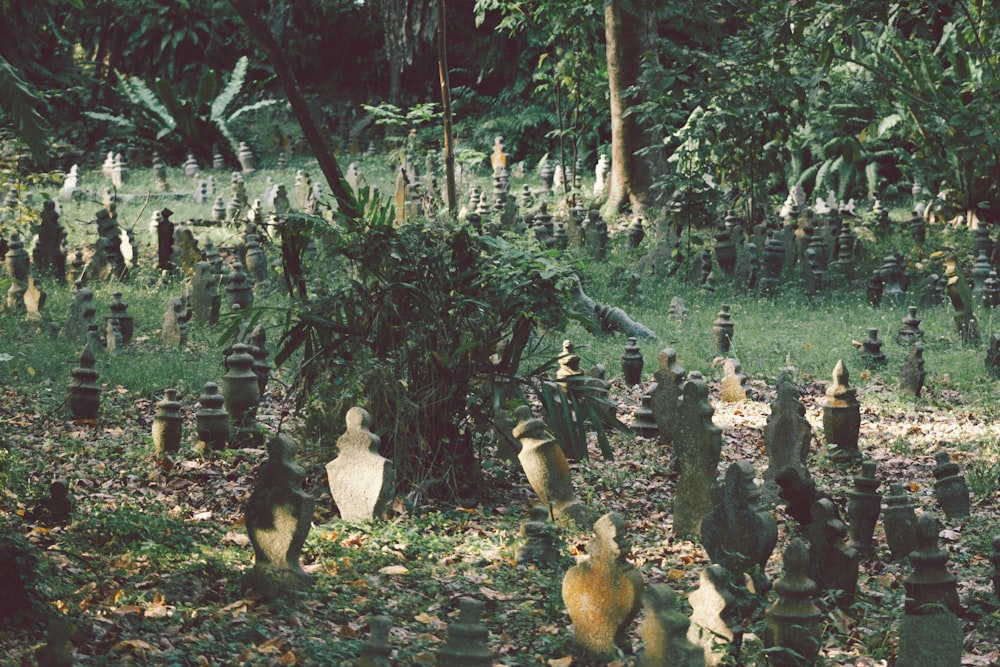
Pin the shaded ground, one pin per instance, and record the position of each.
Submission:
(148, 569)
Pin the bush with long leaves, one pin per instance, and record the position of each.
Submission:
(159, 117)
(426, 323)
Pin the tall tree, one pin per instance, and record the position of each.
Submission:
(408, 24)
(625, 32)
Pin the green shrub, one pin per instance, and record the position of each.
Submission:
(404, 321)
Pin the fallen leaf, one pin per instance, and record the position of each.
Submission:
(238, 539)
(272, 645)
(394, 569)
(424, 617)
(491, 594)
(561, 662)
(287, 659)
(136, 647)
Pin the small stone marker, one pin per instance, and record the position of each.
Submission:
(900, 522)
(278, 516)
(211, 419)
(664, 632)
(930, 640)
(603, 591)
(722, 331)
(376, 651)
(643, 421)
(677, 310)
(698, 446)
(241, 391)
(664, 396)
(81, 314)
(174, 331)
(547, 469)
(992, 361)
(793, 621)
(256, 264)
(84, 392)
(871, 354)
(165, 240)
(713, 626)
(361, 480)
(910, 333)
(892, 276)
(34, 299)
(833, 562)
(60, 501)
(466, 643)
(205, 299)
(842, 416)
(911, 372)
(864, 504)
(787, 435)
(119, 312)
(167, 425)
(733, 382)
(49, 253)
(966, 325)
(239, 290)
(950, 489)
(541, 545)
(258, 350)
(799, 492)
(632, 363)
(930, 583)
(737, 534)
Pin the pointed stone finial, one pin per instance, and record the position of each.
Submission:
(842, 415)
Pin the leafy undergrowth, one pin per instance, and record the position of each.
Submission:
(148, 568)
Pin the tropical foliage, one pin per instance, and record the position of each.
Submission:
(427, 323)
(174, 125)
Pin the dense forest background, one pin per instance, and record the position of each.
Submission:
(726, 98)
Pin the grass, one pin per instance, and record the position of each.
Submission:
(149, 569)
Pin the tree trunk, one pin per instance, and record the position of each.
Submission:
(324, 156)
(449, 155)
(628, 182)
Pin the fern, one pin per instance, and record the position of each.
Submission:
(139, 94)
(19, 103)
(121, 121)
(251, 107)
(232, 89)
